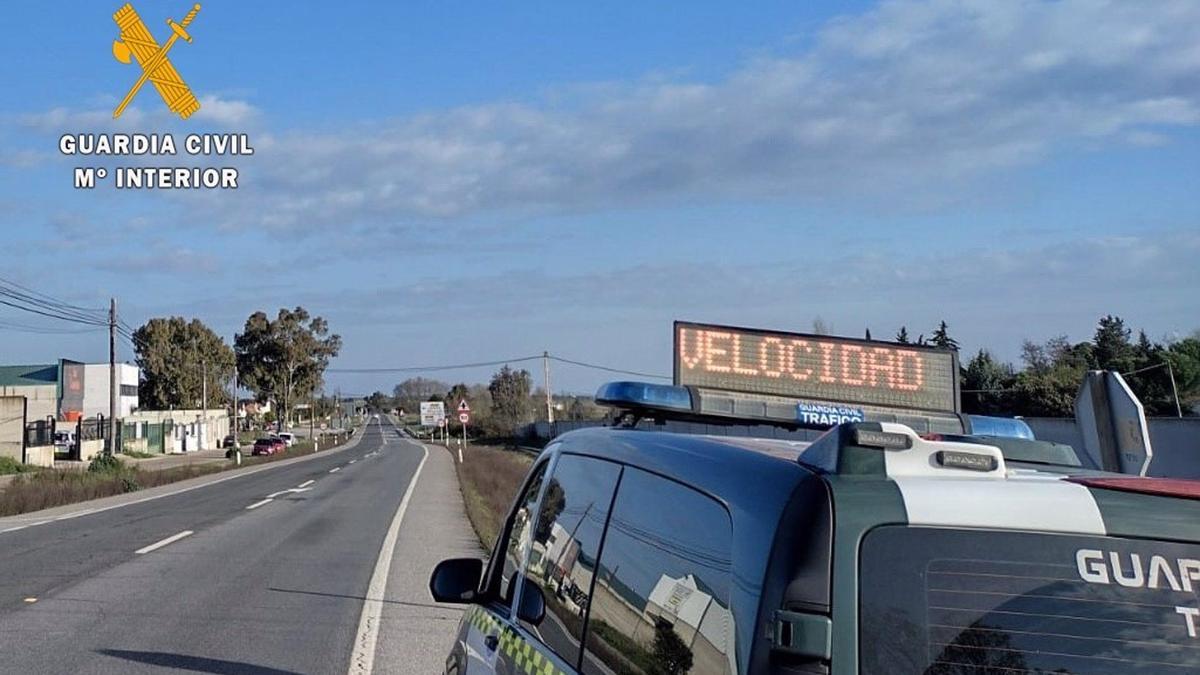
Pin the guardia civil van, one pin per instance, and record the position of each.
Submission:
(872, 549)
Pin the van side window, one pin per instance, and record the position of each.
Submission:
(519, 528)
(566, 542)
(661, 598)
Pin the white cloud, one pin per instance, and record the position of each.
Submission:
(907, 101)
(153, 117)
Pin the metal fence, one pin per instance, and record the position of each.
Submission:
(39, 433)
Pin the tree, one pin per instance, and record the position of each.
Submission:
(902, 336)
(380, 402)
(511, 403)
(670, 655)
(174, 355)
(285, 359)
(819, 327)
(941, 338)
(410, 393)
(1113, 350)
(984, 382)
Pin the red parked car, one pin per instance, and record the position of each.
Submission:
(268, 446)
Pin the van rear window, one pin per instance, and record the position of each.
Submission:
(940, 602)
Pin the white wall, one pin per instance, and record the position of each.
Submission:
(95, 389)
(43, 399)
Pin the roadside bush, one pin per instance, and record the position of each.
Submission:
(103, 463)
(9, 465)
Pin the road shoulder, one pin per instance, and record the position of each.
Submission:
(416, 633)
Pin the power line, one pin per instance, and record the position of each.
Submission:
(44, 330)
(429, 369)
(608, 369)
(26, 299)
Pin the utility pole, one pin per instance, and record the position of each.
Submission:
(549, 398)
(312, 419)
(112, 376)
(233, 417)
(1174, 390)
(203, 401)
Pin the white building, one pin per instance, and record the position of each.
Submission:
(96, 388)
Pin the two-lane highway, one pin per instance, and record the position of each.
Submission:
(265, 573)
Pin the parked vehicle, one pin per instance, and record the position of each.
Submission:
(230, 441)
(268, 446)
(288, 438)
(873, 550)
(64, 440)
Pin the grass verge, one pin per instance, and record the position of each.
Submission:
(8, 465)
(489, 478)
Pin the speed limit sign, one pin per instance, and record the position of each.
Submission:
(464, 417)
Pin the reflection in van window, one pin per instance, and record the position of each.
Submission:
(661, 598)
(566, 541)
(518, 538)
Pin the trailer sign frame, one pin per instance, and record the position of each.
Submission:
(844, 374)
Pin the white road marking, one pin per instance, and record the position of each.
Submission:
(255, 505)
(169, 540)
(235, 474)
(306, 483)
(353, 461)
(31, 600)
(362, 659)
(335, 469)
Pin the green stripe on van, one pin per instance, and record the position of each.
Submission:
(1142, 516)
(860, 503)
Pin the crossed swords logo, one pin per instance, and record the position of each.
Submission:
(136, 42)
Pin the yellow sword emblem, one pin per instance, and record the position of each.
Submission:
(137, 42)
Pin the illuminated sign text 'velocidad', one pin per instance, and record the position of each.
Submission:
(815, 367)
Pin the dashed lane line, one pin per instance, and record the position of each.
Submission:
(255, 505)
(169, 540)
(335, 469)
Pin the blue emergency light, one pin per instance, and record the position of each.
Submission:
(1002, 427)
(675, 402)
(644, 395)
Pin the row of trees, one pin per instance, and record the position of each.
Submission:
(506, 402)
(1051, 372)
(281, 360)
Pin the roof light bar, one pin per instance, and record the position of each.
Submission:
(1002, 427)
(644, 395)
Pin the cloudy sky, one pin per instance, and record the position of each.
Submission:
(468, 182)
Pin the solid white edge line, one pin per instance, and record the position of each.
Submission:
(306, 483)
(169, 540)
(362, 659)
(172, 493)
(335, 469)
(255, 505)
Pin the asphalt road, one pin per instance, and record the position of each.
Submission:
(272, 575)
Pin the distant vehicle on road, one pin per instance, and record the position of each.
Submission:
(268, 446)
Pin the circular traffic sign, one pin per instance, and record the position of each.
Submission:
(464, 417)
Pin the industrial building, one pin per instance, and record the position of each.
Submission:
(70, 390)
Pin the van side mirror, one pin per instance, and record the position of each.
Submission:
(456, 580)
(533, 603)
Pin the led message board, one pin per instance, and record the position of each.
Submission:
(817, 368)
